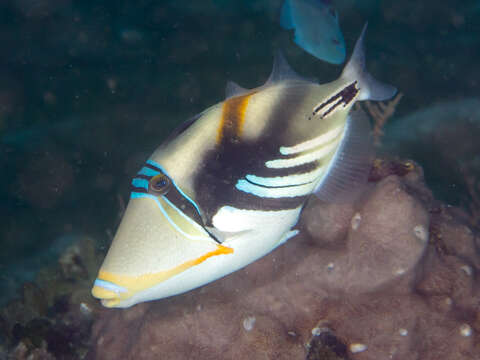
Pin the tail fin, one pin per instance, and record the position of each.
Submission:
(370, 89)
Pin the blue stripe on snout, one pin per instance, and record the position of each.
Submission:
(153, 163)
(140, 183)
(148, 171)
(136, 195)
(109, 286)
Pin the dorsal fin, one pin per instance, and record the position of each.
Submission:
(233, 89)
(282, 71)
(186, 124)
(370, 88)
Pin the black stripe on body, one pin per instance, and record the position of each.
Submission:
(344, 96)
(142, 176)
(138, 189)
(153, 167)
(173, 195)
(276, 187)
(231, 160)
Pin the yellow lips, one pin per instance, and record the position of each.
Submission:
(109, 298)
(113, 288)
(102, 293)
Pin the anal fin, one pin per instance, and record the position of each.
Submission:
(350, 165)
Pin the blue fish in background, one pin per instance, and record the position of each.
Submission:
(316, 28)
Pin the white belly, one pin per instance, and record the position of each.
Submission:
(253, 234)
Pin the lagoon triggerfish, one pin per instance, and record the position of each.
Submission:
(229, 185)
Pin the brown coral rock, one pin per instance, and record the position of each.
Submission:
(381, 289)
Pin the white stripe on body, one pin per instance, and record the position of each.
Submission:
(278, 192)
(295, 184)
(312, 143)
(290, 180)
(303, 159)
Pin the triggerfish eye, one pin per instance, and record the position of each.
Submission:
(159, 184)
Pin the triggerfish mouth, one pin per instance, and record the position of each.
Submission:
(228, 186)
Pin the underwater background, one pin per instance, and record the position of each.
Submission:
(88, 89)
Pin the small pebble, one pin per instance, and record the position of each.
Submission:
(85, 309)
(357, 347)
(316, 331)
(403, 332)
(330, 266)
(465, 330)
(421, 233)
(467, 269)
(249, 322)
(357, 218)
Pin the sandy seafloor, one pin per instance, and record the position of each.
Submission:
(88, 89)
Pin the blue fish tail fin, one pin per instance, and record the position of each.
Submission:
(370, 88)
(286, 20)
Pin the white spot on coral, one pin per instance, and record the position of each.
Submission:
(421, 233)
(465, 330)
(85, 309)
(356, 219)
(399, 271)
(316, 331)
(357, 347)
(467, 269)
(249, 322)
(403, 332)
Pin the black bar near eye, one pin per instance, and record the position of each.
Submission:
(175, 196)
(212, 236)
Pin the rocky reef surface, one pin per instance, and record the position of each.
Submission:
(53, 316)
(392, 276)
